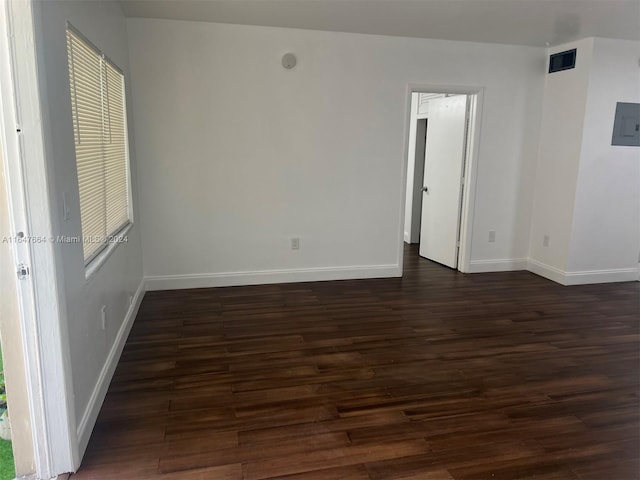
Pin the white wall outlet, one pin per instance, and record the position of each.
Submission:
(295, 243)
(103, 316)
(545, 241)
(492, 236)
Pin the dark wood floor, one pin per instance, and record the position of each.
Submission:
(435, 376)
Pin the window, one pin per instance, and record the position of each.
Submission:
(100, 133)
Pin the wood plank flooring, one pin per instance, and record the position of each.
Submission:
(435, 376)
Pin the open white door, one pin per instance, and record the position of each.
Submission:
(442, 184)
(32, 262)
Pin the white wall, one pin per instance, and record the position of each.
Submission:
(606, 223)
(587, 195)
(563, 112)
(93, 351)
(236, 155)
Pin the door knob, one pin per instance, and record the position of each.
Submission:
(425, 189)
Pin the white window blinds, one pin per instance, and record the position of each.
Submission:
(99, 126)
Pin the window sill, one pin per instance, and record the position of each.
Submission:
(94, 265)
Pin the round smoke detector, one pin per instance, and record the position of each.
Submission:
(289, 61)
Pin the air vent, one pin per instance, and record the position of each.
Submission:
(562, 61)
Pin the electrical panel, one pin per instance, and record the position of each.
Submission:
(626, 126)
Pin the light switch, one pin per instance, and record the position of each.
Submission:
(66, 214)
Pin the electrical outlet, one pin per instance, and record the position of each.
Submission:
(103, 314)
(545, 241)
(295, 243)
(492, 236)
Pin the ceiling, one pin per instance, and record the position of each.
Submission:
(519, 22)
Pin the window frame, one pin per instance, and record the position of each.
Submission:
(94, 261)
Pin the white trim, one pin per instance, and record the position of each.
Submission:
(90, 415)
(582, 277)
(497, 265)
(476, 96)
(546, 271)
(100, 259)
(230, 279)
(467, 214)
(407, 237)
(602, 276)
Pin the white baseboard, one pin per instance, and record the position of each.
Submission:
(497, 265)
(583, 277)
(85, 427)
(602, 276)
(208, 280)
(546, 271)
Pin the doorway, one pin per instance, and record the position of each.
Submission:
(36, 365)
(441, 145)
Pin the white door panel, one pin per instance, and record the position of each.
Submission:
(442, 195)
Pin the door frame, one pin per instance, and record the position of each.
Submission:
(41, 293)
(475, 96)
